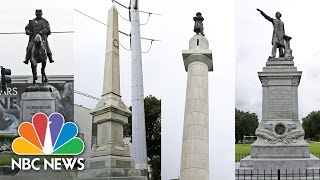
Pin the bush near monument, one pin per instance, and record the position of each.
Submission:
(152, 108)
(311, 125)
(246, 124)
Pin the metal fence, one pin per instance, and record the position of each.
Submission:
(240, 156)
(307, 174)
(267, 174)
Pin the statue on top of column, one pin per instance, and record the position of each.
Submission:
(198, 26)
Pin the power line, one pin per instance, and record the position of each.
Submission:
(139, 11)
(99, 21)
(124, 47)
(120, 13)
(90, 17)
(114, 1)
(107, 25)
(148, 49)
(86, 95)
(54, 32)
(149, 13)
(147, 20)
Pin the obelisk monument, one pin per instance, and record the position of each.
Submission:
(110, 158)
(195, 143)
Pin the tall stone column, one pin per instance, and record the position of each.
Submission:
(195, 143)
(110, 158)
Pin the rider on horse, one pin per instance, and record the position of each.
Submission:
(36, 26)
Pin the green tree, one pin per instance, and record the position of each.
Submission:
(246, 124)
(152, 108)
(311, 125)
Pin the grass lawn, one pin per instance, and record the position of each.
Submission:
(243, 149)
(314, 147)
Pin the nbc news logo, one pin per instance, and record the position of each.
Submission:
(48, 136)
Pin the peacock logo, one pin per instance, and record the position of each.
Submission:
(48, 136)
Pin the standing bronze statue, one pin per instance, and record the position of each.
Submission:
(40, 26)
(278, 34)
(198, 26)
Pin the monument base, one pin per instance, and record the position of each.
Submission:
(45, 174)
(111, 168)
(36, 99)
(249, 165)
(280, 151)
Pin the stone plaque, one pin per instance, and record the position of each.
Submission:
(124, 164)
(280, 102)
(97, 165)
(34, 102)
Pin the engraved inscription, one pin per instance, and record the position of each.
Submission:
(97, 164)
(280, 103)
(31, 107)
(123, 164)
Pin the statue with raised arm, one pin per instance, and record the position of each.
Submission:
(40, 26)
(198, 26)
(278, 34)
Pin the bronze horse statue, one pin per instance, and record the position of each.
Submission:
(38, 55)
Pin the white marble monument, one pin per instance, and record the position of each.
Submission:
(280, 143)
(110, 158)
(195, 143)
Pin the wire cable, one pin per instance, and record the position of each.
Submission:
(148, 49)
(90, 17)
(120, 13)
(99, 21)
(126, 34)
(54, 32)
(139, 10)
(147, 20)
(86, 95)
(124, 47)
(114, 1)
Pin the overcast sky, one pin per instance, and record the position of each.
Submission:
(163, 69)
(14, 16)
(253, 46)
(235, 30)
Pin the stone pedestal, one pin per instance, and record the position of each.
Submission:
(195, 143)
(37, 99)
(280, 140)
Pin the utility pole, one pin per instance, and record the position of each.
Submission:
(138, 115)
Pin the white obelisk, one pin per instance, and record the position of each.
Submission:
(195, 144)
(139, 143)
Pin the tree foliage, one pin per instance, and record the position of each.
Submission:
(311, 125)
(246, 124)
(152, 108)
